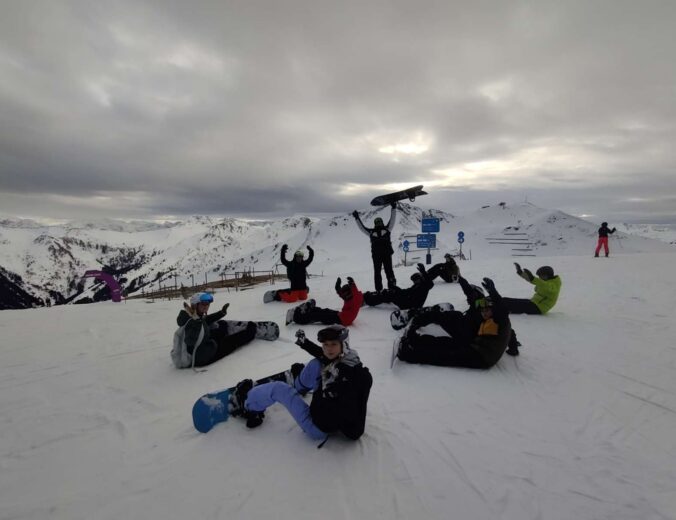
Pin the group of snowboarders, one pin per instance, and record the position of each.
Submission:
(339, 382)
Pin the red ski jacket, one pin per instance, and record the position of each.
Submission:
(351, 307)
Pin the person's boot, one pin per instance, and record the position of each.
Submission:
(238, 397)
(596, 255)
(606, 255)
(253, 419)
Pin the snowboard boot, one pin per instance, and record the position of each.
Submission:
(405, 348)
(513, 345)
(253, 419)
(596, 255)
(238, 397)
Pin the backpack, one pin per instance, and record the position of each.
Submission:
(179, 352)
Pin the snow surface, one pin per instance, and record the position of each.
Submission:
(96, 422)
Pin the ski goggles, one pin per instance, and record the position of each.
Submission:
(483, 303)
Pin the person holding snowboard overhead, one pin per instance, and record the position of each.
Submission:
(352, 298)
(296, 272)
(381, 247)
(603, 238)
(547, 288)
(411, 298)
(448, 270)
(478, 338)
(337, 378)
(201, 338)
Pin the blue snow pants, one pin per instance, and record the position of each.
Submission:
(262, 396)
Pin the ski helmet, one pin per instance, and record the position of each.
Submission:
(378, 222)
(299, 254)
(604, 224)
(483, 303)
(416, 278)
(545, 272)
(448, 257)
(333, 333)
(201, 297)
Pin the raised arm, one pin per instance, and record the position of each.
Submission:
(393, 216)
(361, 226)
(283, 255)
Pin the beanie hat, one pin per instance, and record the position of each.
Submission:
(545, 272)
(378, 222)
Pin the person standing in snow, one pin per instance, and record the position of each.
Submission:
(603, 239)
(201, 338)
(352, 302)
(448, 270)
(337, 378)
(381, 247)
(296, 272)
(547, 288)
(477, 338)
(412, 298)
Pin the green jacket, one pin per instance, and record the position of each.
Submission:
(546, 291)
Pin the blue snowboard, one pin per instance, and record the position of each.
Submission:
(217, 407)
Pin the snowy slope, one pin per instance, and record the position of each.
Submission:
(96, 422)
(664, 232)
(51, 259)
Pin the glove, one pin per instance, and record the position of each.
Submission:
(224, 309)
(614, 229)
(393, 204)
(350, 280)
(310, 249)
(355, 214)
(296, 369)
(518, 268)
(421, 269)
(284, 248)
(338, 284)
(300, 337)
(488, 285)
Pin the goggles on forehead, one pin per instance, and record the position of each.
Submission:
(483, 303)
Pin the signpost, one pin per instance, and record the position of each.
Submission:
(430, 225)
(461, 240)
(426, 241)
(405, 245)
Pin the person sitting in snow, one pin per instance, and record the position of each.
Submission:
(547, 288)
(477, 338)
(296, 272)
(603, 239)
(201, 338)
(411, 298)
(381, 247)
(337, 378)
(447, 270)
(352, 298)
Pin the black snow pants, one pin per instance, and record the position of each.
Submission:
(441, 351)
(379, 261)
(520, 306)
(316, 315)
(223, 343)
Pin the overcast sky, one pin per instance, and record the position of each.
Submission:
(169, 108)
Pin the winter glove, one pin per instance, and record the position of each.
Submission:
(350, 280)
(614, 229)
(421, 269)
(310, 249)
(393, 204)
(285, 248)
(300, 337)
(488, 285)
(296, 369)
(338, 284)
(529, 275)
(355, 214)
(518, 268)
(224, 309)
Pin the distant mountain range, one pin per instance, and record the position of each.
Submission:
(40, 263)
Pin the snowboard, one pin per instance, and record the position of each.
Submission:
(217, 407)
(305, 305)
(410, 194)
(399, 319)
(269, 296)
(267, 330)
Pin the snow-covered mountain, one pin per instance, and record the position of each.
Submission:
(47, 262)
(664, 232)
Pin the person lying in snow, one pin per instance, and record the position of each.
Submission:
(477, 338)
(547, 288)
(339, 382)
(411, 298)
(352, 302)
(201, 339)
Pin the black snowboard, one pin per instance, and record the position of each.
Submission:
(410, 194)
